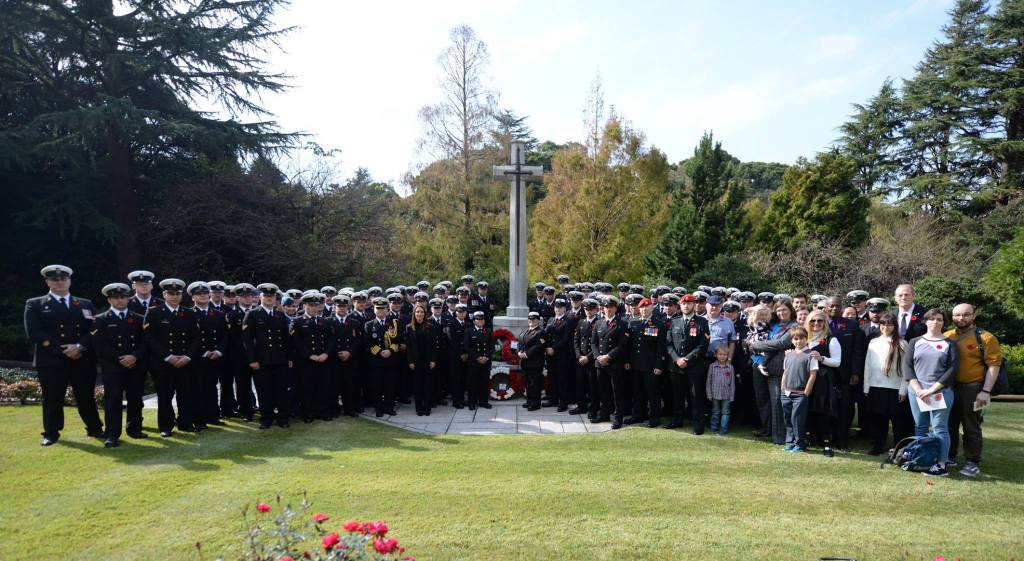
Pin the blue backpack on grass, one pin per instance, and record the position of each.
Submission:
(915, 453)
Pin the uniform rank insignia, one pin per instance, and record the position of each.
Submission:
(651, 331)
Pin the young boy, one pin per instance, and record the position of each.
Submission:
(721, 390)
(798, 374)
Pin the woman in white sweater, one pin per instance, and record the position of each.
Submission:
(885, 385)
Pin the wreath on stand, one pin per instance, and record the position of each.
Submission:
(507, 380)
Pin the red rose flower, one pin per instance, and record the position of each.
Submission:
(379, 528)
(352, 526)
(263, 507)
(321, 517)
(331, 540)
(307, 555)
(385, 546)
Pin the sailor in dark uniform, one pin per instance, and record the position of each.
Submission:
(459, 358)
(610, 350)
(217, 290)
(172, 336)
(587, 398)
(485, 303)
(236, 394)
(313, 341)
(210, 364)
(646, 364)
(265, 337)
(121, 350)
(478, 372)
(531, 355)
(58, 324)
(380, 340)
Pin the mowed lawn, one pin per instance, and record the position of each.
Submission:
(623, 495)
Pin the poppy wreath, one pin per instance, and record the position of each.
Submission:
(503, 386)
(502, 339)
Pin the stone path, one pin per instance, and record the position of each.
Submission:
(506, 417)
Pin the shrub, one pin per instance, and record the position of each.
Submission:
(10, 375)
(730, 270)
(1014, 355)
(296, 534)
(22, 391)
(1005, 277)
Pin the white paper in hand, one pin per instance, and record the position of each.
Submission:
(931, 403)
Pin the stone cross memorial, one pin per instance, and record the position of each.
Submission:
(518, 175)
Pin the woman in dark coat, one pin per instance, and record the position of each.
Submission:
(531, 354)
(420, 353)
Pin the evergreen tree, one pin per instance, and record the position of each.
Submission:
(93, 100)
(1005, 83)
(947, 116)
(870, 138)
(707, 214)
(818, 202)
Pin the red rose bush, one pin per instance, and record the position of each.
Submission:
(284, 533)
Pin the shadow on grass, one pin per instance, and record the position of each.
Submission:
(244, 444)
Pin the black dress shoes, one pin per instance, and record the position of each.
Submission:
(47, 441)
(137, 434)
(110, 443)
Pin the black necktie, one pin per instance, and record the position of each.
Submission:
(903, 325)
(64, 301)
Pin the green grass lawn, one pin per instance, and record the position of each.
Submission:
(630, 494)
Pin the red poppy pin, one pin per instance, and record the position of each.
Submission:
(75, 302)
(131, 320)
(821, 341)
(210, 313)
(692, 324)
(181, 314)
(913, 318)
(970, 346)
(939, 346)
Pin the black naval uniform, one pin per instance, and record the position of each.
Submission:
(478, 376)
(313, 336)
(238, 380)
(688, 338)
(50, 324)
(378, 336)
(559, 334)
(611, 337)
(532, 342)
(135, 306)
(442, 355)
(348, 337)
(587, 398)
(403, 376)
(646, 354)
(114, 336)
(208, 372)
(265, 337)
(458, 361)
(172, 333)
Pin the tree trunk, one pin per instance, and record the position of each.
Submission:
(125, 204)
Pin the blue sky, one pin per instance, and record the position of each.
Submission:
(773, 80)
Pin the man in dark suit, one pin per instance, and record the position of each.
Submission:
(587, 399)
(265, 337)
(380, 340)
(347, 330)
(559, 334)
(646, 364)
(687, 344)
(909, 316)
(459, 358)
(172, 337)
(610, 351)
(143, 299)
(241, 400)
(313, 340)
(438, 324)
(537, 302)
(478, 370)
(210, 361)
(850, 370)
(58, 324)
(531, 355)
(874, 310)
(121, 351)
(485, 303)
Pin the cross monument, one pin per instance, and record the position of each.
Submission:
(518, 175)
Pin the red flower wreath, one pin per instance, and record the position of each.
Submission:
(506, 337)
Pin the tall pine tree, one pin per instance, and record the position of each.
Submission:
(870, 138)
(1005, 84)
(707, 214)
(95, 95)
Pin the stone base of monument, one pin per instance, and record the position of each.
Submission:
(515, 324)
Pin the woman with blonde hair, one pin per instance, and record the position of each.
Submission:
(825, 401)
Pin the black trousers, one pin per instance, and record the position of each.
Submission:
(619, 378)
(245, 398)
(584, 372)
(534, 384)
(314, 388)
(478, 380)
(422, 386)
(554, 380)
(54, 383)
(841, 426)
(403, 382)
(272, 388)
(440, 377)
(457, 380)
(174, 383)
(763, 399)
(383, 378)
(646, 394)
(597, 393)
(606, 389)
(127, 385)
(565, 378)
(688, 393)
(346, 377)
(226, 378)
(209, 375)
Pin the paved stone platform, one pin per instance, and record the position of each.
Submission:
(505, 417)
